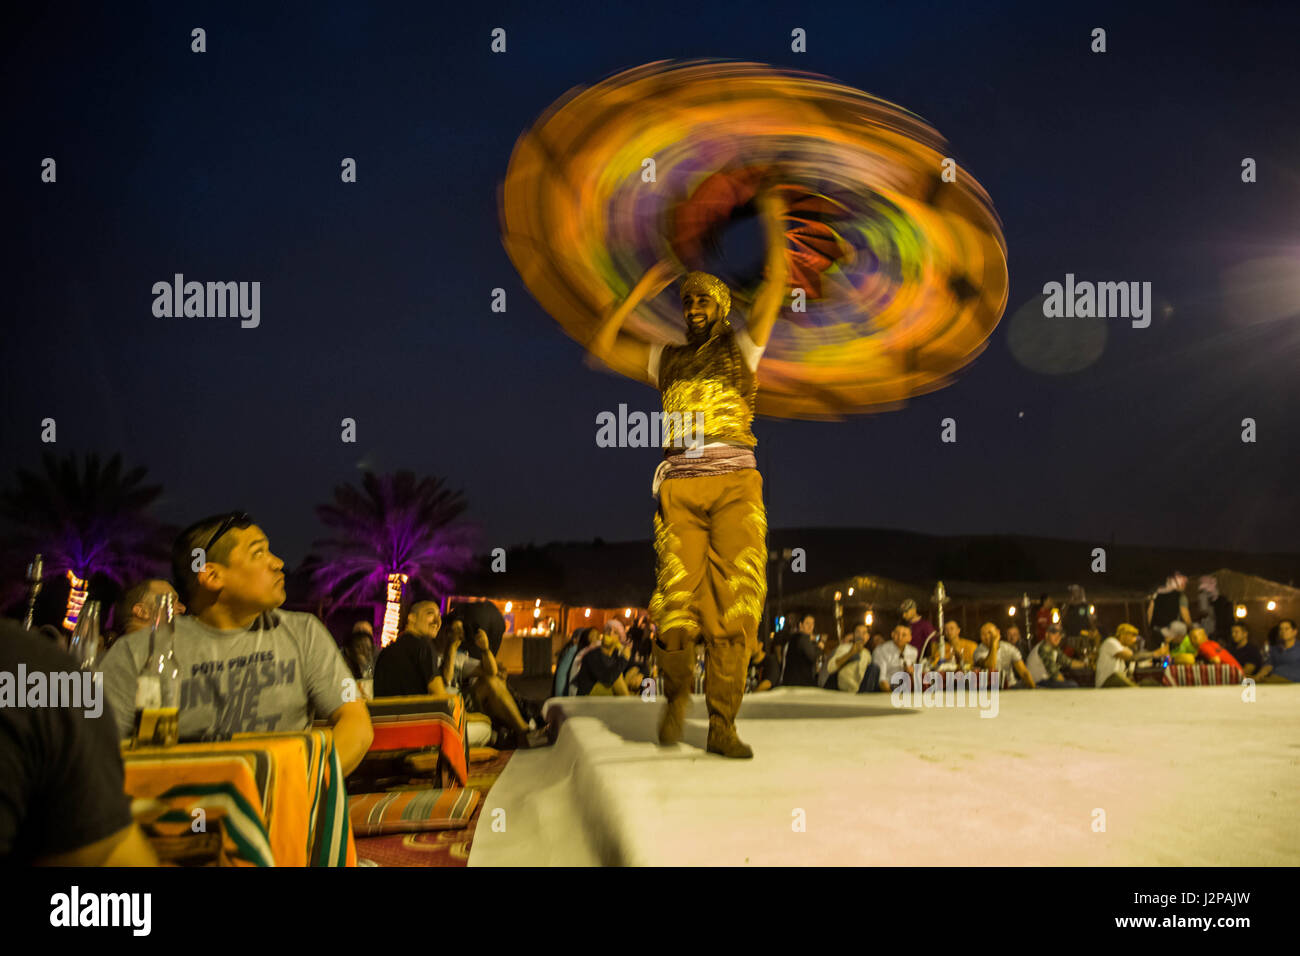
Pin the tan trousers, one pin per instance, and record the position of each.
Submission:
(710, 537)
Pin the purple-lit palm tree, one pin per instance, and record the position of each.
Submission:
(85, 519)
(394, 529)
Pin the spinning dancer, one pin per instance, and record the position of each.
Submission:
(710, 530)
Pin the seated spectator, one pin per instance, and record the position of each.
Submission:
(1114, 654)
(62, 796)
(475, 672)
(245, 666)
(921, 628)
(564, 660)
(896, 656)
(359, 651)
(407, 667)
(956, 648)
(1250, 656)
(1208, 651)
(1048, 663)
(801, 653)
(1181, 648)
(609, 671)
(851, 664)
(1012, 637)
(1003, 656)
(594, 639)
(1284, 655)
(764, 669)
(138, 605)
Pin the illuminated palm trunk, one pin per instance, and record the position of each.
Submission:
(76, 598)
(393, 611)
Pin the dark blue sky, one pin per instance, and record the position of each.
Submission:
(375, 296)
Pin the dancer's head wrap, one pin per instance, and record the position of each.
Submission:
(711, 286)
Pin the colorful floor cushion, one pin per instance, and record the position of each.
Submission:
(408, 811)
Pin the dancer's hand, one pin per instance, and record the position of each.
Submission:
(659, 276)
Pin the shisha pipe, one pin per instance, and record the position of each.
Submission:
(35, 572)
(940, 598)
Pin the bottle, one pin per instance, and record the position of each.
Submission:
(158, 683)
(86, 640)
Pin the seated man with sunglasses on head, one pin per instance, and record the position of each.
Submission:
(244, 665)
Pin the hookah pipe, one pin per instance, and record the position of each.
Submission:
(35, 573)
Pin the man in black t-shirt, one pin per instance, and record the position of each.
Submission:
(1248, 655)
(609, 670)
(62, 798)
(801, 655)
(405, 667)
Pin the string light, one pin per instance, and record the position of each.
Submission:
(509, 605)
(850, 592)
(1011, 611)
(588, 613)
(1272, 605)
(1241, 610)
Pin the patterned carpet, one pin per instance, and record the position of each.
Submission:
(435, 847)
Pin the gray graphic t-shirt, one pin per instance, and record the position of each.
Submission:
(280, 674)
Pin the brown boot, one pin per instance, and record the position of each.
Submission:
(676, 677)
(723, 740)
(724, 686)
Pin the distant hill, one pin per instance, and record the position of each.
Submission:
(607, 574)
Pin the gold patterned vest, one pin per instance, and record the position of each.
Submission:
(713, 379)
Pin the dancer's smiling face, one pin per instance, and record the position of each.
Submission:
(700, 310)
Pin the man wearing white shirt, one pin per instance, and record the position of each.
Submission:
(1008, 658)
(1115, 653)
(895, 656)
(850, 663)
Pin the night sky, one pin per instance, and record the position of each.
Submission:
(376, 295)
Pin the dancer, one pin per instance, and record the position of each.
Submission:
(710, 529)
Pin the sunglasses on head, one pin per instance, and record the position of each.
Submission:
(236, 519)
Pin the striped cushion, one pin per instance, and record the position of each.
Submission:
(407, 811)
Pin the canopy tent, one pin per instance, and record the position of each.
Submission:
(1241, 587)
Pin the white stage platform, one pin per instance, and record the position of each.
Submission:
(1184, 776)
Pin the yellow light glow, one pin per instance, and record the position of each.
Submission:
(869, 618)
(1241, 610)
(850, 592)
(838, 595)
(1056, 616)
(1092, 609)
(509, 605)
(392, 609)
(537, 603)
(1011, 611)
(77, 588)
(627, 613)
(537, 612)
(588, 613)
(1272, 605)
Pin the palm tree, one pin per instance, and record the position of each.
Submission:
(394, 529)
(86, 520)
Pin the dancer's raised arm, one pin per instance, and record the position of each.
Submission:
(614, 347)
(771, 294)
